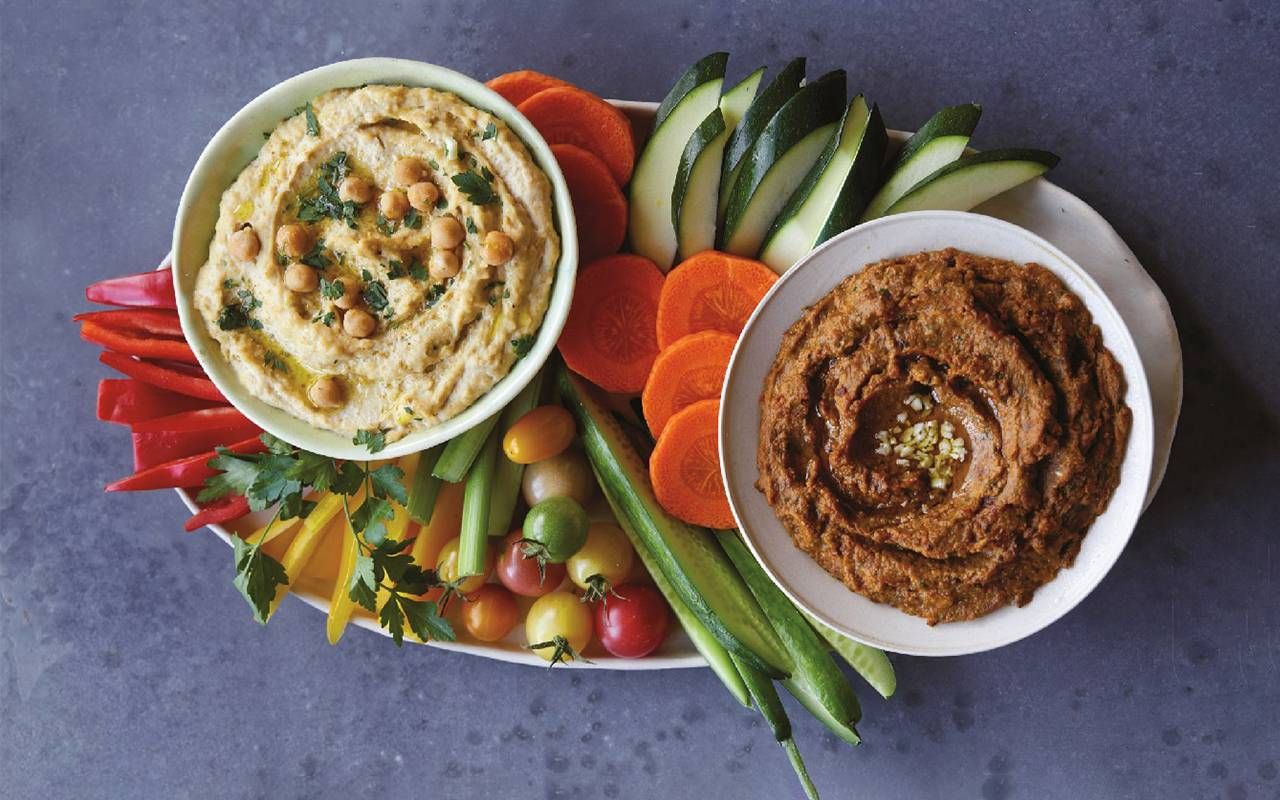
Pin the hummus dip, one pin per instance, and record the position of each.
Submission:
(383, 262)
(940, 431)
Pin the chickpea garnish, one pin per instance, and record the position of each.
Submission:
(393, 204)
(326, 392)
(299, 277)
(293, 240)
(244, 244)
(407, 171)
(498, 248)
(351, 291)
(423, 195)
(444, 264)
(359, 323)
(446, 232)
(355, 190)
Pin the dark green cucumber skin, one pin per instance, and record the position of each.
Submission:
(708, 129)
(766, 698)
(707, 68)
(1050, 161)
(817, 104)
(761, 110)
(861, 185)
(951, 121)
(594, 440)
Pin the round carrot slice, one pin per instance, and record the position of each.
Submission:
(569, 115)
(598, 204)
(691, 369)
(522, 84)
(685, 468)
(609, 335)
(711, 291)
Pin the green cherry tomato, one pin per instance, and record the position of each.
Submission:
(555, 529)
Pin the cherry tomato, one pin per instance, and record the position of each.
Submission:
(603, 562)
(490, 613)
(564, 475)
(540, 434)
(520, 574)
(558, 526)
(561, 622)
(447, 567)
(632, 622)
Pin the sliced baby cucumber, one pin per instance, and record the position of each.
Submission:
(744, 134)
(872, 664)
(770, 707)
(974, 179)
(939, 141)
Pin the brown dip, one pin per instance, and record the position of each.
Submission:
(940, 430)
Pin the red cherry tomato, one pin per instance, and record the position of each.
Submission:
(632, 623)
(520, 574)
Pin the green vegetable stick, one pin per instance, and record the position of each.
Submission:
(473, 539)
(460, 454)
(506, 479)
(422, 497)
(770, 707)
(872, 664)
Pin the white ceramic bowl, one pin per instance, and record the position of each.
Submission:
(799, 576)
(238, 142)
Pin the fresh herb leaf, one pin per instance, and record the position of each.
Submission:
(274, 361)
(363, 588)
(385, 226)
(425, 621)
(232, 317)
(486, 174)
(417, 270)
(412, 220)
(324, 318)
(371, 511)
(490, 131)
(313, 124)
(375, 295)
(475, 187)
(257, 576)
(442, 203)
(235, 477)
(431, 162)
(325, 202)
(471, 226)
(395, 269)
(436, 292)
(348, 479)
(523, 344)
(374, 440)
(331, 290)
(388, 481)
(315, 257)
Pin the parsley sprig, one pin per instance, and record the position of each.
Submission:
(476, 187)
(325, 202)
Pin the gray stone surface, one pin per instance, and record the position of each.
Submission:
(129, 667)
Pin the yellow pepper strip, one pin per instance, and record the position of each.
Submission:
(341, 606)
(304, 545)
(398, 525)
(278, 529)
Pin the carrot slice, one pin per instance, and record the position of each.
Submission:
(691, 369)
(609, 335)
(598, 203)
(569, 115)
(711, 291)
(685, 468)
(522, 84)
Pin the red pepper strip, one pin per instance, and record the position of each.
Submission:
(181, 473)
(164, 377)
(233, 506)
(150, 289)
(126, 401)
(152, 321)
(123, 342)
(201, 419)
(154, 447)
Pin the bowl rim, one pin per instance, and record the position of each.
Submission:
(290, 93)
(1010, 623)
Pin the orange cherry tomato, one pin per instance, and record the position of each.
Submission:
(490, 613)
(447, 568)
(540, 434)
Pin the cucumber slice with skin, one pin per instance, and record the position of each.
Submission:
(752, 124)
(695, 95)
(721, 663)
(816, 675)
(834, 192)
(872, 664)
(939, 141)
(696, 191)
(779, 161)
(770, 707)
(974, 179)
(689, 557)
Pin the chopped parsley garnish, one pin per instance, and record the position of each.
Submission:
(436, 292)
(442, 203)
(227, 283)
(412, 220)
(523, 344)
(395, 269)
(316, 257)
(282, 259)
(490, 131)
(486, 174)
(274, 361)
(239, 315)
(374, 439)
(385, 226)
(324, 318)
(313, 124)
(417, 270)
(475, 187)
(471, 226)
(431, 162)
(493, 296)
(375, 295)
(331, 290)
(325, 202)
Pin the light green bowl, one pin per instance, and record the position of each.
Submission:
(238, 142)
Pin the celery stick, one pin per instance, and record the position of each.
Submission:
(460, 454)
(473, 539)
(506, 479)
(422, 496)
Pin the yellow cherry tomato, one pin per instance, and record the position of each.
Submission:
(447, 568)
(490, 613)
(540, 434)
(603, 562)
(558, 626)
